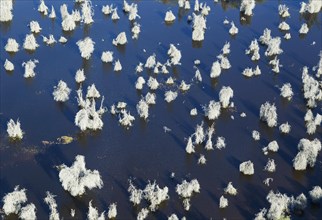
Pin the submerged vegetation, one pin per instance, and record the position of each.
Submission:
(205, 106)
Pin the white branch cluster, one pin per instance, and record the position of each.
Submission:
(76, 178)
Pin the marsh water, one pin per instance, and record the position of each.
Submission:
(145, 152)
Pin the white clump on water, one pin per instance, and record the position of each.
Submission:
(199, 134)
(175, 55)
(184, 86)
(28, 212)
(13, 201)
(143, 109)
(115, 15)
(136, 29)
(169, 16)
(80, 76)
(225, 94)
(126, 119)
(186, 190)
(307, 155)
(230, 189)
(120, 39)
(143, 214)
(223, 202)
(233, 30)
(247, 168)
(270, 165)
(224, 62)
(150, 98)
(155, 195)
(30, 42)
(275, 65)
(92, 92)
(61, 92)
(136, 195)
(287, 36)
(215, 69)
(139, 68)
(187, 5)
(14, 129)
(107, 57)
(107, 9)
(68, 20)
(198, 75)
(76, 178)
(121, 105)
(272, 146)
(62, 40)
(112, 211)
(93, 214)
(152, 193)
(312, 7)
(265, 37)
(279, 205)
(311, 88)
(76, 15)
(52, 14)
(286, 91)
(133, 12)
(12, 46)
(247, 7)
(29, 68)
(88, 117)
(87, 12)
(173, 217)
(150, 62)
(210, 132)
(212, 111)
(199, 26)
(256, 135)
(268, 114)
(202, 159)
(220, 143)
(304, 29)
(267, 181)
(285, 128)
(42, 8)
(193, 112)
(51, 202)
(170, 81)
(153, 83)
(139, 83)
(254, 50)
(8, 65)
(34, 27)
(273, 47)
(316, 194)
(190, 148)
(312, 122)
(283, 11)
(284, 26)
(6, 7)
(50, 40)
(117, 66)
(170, 96)
(86, 47)
(243, 115)
(226, 48)
(318, 67)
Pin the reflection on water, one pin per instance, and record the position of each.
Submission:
(145, 152)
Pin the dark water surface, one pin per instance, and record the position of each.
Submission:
(145, 152)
